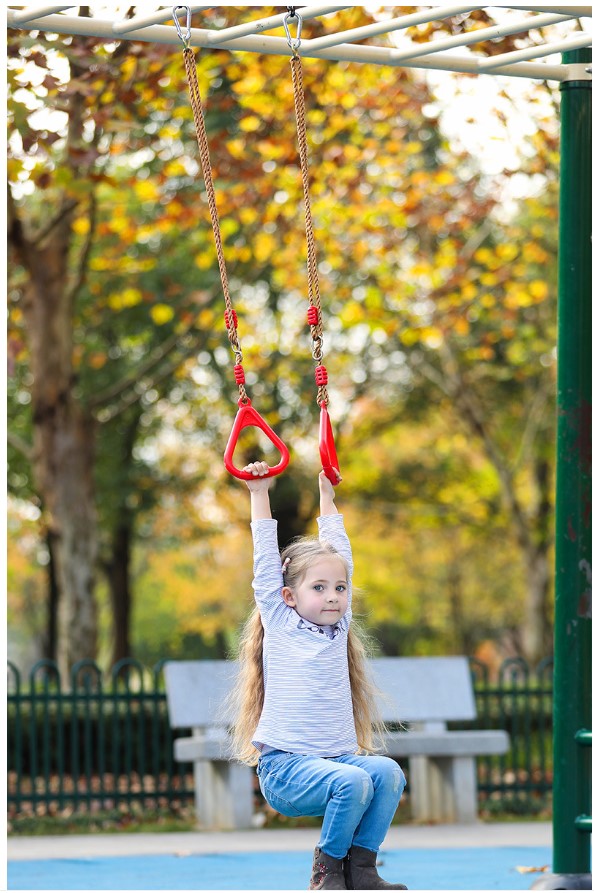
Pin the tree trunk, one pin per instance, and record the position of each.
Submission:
(118, 578)
(63, 441)
(536, 632)
(50, 644)
(63, 432)
(459, 637)
(532, 530)
(77, 544)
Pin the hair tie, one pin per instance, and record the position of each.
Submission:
(285, 565)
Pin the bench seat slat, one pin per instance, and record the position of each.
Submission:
(447, 744)
(398, 744)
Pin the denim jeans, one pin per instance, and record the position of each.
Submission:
(357, 795)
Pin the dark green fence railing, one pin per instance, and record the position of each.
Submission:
(99, 743)
(104, 741)
(521, 702)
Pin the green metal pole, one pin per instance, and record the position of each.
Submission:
(572, 715)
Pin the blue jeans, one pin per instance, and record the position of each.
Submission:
(357, 795)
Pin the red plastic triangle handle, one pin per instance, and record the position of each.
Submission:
(248, 417)
(327, 448)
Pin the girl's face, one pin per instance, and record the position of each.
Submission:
(321, 596)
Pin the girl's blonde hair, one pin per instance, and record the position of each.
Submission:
(247, 699)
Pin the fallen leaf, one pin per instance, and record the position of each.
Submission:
(526, 869)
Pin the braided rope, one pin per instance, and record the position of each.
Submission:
(197, 110)
(313, 287)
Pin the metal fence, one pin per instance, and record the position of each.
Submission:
(104, 741)
(101, 742)
(521, 702)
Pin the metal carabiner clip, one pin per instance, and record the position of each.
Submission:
(185, 38)
(294, 43)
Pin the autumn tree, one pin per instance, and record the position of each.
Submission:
(64, 176)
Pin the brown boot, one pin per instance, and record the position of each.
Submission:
(361, 874)
(326, 873)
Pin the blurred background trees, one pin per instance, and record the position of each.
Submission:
(126, 534)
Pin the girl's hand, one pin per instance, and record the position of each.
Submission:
(259, 483)
(327, 506)
(326, 485)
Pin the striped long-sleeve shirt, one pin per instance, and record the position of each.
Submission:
(307, 703)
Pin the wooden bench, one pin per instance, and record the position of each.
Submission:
(422, 693)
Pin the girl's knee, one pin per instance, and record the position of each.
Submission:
(399, 780)
(389, 775)
(357, 784)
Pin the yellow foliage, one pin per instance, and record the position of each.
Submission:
(248, 215)
(13, 167)
(129, 297)
(101, 264)
(485, 256)
(203, 261)
(127, 67)
(353, 313)
(518, 295)
(243, 254)
(431, 336)
(249, 124)
(506, 251)
(81, 226)
(146, 190)
(409, 336)
(469, 291)
(120, 224)
(252, 83)
(161, 314)
(489, 279)
(235, 147)
(413, 148)
(184, 112)
(206, 318)
(263, 247)
(444, 178)
(538, 289)
(533, 253)
(175, 168)
(229, 226)
(169, 132)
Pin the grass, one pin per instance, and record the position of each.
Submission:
(182, 819)
(106, 822)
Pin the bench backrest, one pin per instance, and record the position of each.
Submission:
(424, 689)
(196, 691)
(414, 689)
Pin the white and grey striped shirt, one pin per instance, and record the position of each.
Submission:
(307, 703)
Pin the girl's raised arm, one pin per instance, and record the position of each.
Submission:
(327, 506)
(259, 488)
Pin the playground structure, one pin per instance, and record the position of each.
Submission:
(572, 681)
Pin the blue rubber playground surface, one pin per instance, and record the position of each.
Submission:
(476, 868)
(478, 856)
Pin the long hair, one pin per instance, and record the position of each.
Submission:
(247, 698)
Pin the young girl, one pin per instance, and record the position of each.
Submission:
(306, 708)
